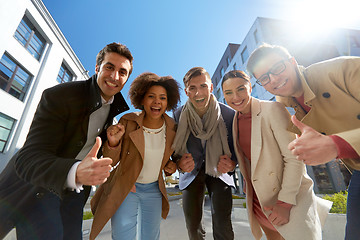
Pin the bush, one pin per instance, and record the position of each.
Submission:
(87, 215)
(339, 202)
(237, 197)
(174, 193)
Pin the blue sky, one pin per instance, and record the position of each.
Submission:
(169, 37)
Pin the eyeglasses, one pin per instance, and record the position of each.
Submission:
(276, 69)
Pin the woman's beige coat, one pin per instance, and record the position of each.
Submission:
(276, 175)
(129, 155)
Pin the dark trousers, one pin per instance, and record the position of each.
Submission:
(353, 208)
(221, 206)
(45, 217)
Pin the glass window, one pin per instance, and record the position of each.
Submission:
(216, 81)
(13, 78)
(256, 36)
(244, 55)
(6, 126)
(254, 92)
(354, 42)
(345, 172)
(322, 179)
(30, 38)
(64, 74)
(222, 71)
(218, 93)
(234, 66)
(228, 61)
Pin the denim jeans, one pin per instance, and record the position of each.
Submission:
(353, 208)
(139, 214)
(48, 217)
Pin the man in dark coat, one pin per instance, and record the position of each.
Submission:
(44, 186)
(204, 154)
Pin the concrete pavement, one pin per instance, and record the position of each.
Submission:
(173, 228)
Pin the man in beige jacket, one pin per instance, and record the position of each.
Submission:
(326, 99)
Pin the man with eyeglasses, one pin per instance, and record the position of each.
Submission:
(326, 100)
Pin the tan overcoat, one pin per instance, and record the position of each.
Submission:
(129, 156)
(332, 90)
(276, 175)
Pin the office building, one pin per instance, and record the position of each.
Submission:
(34, 55)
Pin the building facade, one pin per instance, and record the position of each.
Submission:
(307, 49)
(34, 55)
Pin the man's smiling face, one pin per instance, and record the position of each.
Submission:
(112, 74)
(286, 83)
(199, 90)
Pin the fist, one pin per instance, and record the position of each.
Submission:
(226, 164)
(114, 134)
(186, 163)
(170, 168)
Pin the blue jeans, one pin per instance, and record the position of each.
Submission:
(139, 214)
(46, 217)
(353, 208)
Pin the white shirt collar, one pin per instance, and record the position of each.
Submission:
(103, 101)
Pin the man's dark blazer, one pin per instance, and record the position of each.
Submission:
(57, 134)
(194, 147)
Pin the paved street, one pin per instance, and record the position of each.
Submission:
(173, 228)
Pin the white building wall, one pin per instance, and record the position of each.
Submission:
(44, 70)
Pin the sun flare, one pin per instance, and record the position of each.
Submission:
(314, 18)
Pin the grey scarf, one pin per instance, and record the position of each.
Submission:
(213, 131)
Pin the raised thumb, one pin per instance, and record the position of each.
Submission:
(301, 126)
(95, 149)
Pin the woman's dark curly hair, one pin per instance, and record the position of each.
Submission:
(145, 81)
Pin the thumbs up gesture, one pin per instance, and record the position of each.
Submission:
(91, 170)
(312, 147)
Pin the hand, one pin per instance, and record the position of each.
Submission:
(133, 189)
(114, 134)
(186, 163)
(170, 168)
(279, 215)
(225, 164)
(312, 147)
(91, 170)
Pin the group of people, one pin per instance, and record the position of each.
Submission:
(73, 144)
